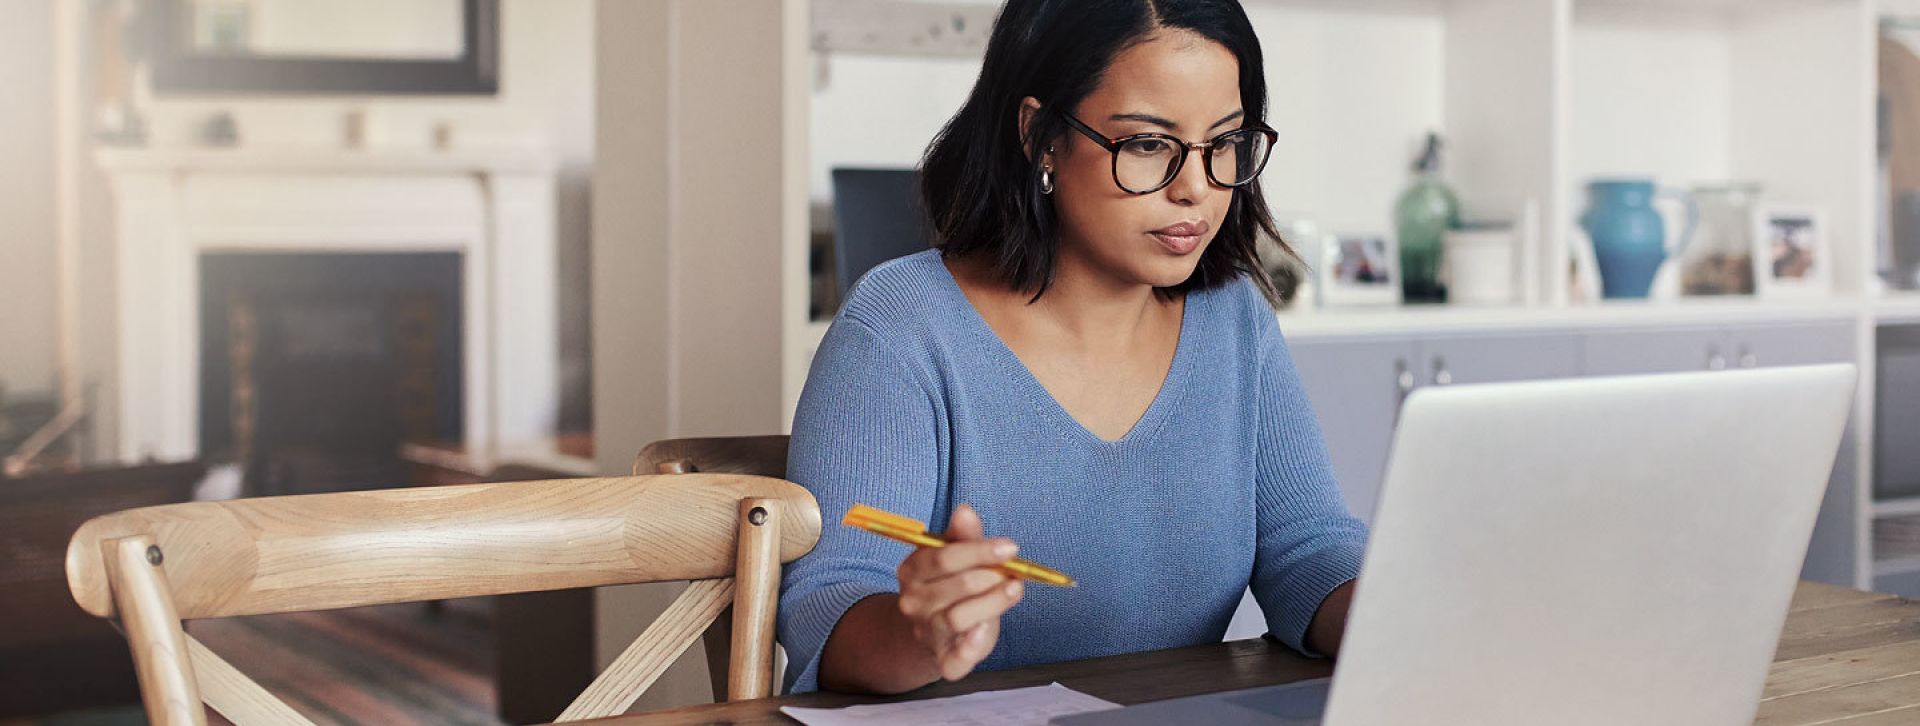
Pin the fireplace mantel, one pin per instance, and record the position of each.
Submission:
(494, 208)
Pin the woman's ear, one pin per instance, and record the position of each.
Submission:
(1029, 107)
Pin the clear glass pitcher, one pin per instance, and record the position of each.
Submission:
(1720, 260)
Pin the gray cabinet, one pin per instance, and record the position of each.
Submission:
(1635, 351)
(1794, 345)
(1357, 387)
(1833, 554)
(1497, 359)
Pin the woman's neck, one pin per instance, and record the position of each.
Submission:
(1082, 304)
(1088, 304)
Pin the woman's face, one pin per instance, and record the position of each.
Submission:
(1176, 83)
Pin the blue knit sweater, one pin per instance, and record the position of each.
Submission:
(914, 406)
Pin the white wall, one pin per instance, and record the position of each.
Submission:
(26, 197)
(1651, 100)
(879, 110)
(1353, 92)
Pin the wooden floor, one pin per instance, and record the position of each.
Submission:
(390, 664)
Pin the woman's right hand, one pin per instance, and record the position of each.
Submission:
(954, 595)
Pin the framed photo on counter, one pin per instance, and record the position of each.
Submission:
(1360, 269)
(1791, 256)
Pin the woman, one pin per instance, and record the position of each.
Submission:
(1086, 363)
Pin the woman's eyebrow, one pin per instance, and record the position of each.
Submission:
(1229, 118)
(1168, 124)
(1146, 118)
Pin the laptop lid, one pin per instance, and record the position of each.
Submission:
(1600, 551)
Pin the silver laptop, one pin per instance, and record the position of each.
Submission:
(1598, 551)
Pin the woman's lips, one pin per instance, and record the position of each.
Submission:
(1182, 238)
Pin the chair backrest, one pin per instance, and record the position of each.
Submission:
(155, 566)
(755, 455)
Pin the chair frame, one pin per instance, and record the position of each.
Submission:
(729, 534)
(751, 455)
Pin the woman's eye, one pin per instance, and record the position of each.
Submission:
(1147, 147)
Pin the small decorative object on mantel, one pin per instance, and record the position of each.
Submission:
(1359, 270)
(354, 128)
(1791, 255)
(115, 31)
(443, 135)
(220, 130)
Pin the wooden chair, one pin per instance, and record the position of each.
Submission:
(155, 566)
(751, 455)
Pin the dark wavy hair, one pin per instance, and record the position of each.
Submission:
(979, 182)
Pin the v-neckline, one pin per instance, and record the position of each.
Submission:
(1044, 400)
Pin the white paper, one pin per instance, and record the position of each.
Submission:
(1016, 707)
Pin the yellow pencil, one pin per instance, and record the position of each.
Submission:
(914, 532)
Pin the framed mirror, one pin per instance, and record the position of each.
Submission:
(336, 47)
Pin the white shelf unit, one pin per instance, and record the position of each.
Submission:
(1905, 506)
(1897, 567)
(1781, 93)
(1534, 98)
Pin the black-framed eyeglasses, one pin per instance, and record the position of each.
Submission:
(1147, 163)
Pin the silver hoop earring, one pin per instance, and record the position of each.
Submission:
(1046, 174)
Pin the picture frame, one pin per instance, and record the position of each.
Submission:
(179, 68)
(1359, 270)
(1792, 256)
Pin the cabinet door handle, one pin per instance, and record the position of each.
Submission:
(1402, 379)
(1441, 376)
(1715, 361)
(1747, 358)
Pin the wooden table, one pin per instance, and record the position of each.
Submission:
(1845, 656)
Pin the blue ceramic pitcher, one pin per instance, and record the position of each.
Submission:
(1629, 237)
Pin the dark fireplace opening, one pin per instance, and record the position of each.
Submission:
(316, 368)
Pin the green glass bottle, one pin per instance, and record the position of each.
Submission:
(1422, 217)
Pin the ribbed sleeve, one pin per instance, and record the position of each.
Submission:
(1309, 544)
(865, 432)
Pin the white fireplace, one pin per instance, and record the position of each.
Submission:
(495, 209)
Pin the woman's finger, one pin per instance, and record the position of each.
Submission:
(962, 616)
(934, 563)
(932, 596)
(967, 650)
(965, 524)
